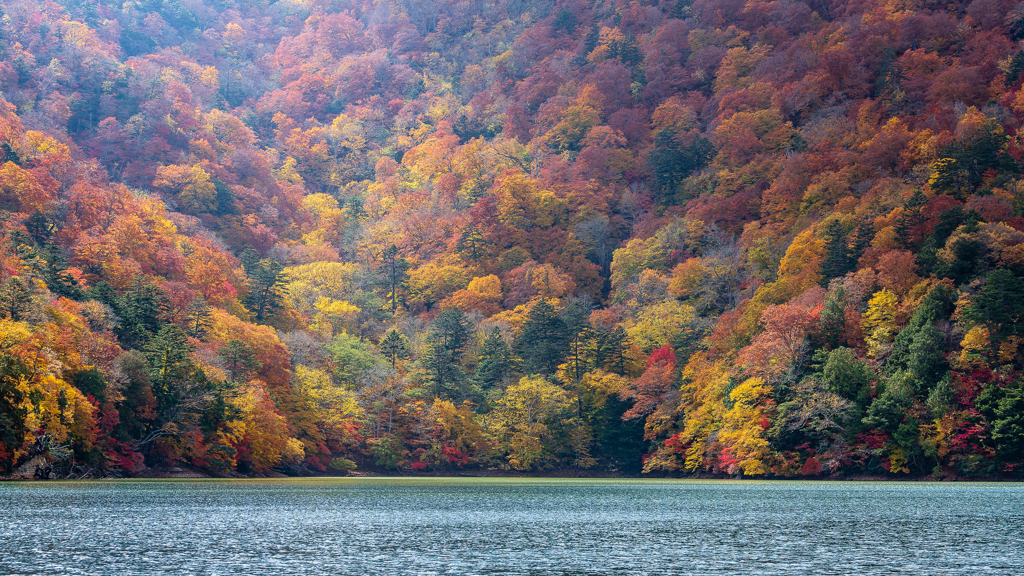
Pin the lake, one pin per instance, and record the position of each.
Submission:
(467, 526)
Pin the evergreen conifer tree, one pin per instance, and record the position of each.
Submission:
(495, 362)
(14, 298)
(544, 340)
(446, 343)
(394, 345)
(198, 315)
(394, 270)
(837, 260)
(239, 359)
(266, 288)
(142, 310)
(833, 318)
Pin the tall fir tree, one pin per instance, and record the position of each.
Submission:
(446, 342)
(544, 340)
(142, 309)
(837, 260)
(394, 271)
(832, 323)
(495, 363)
(239, 359)
(15, 296)
(394, 345)
(198, 315)
(266, 288)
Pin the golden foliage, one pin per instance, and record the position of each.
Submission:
(743, 428)
(521, 418)
(879, 322)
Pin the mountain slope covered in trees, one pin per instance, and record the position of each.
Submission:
(757, 237)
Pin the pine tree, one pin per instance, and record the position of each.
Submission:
(591, 39)
(962, 164)
(394, 345)
(1008, 427)
(544, 340)
(927, 355)
(142, 310)
(14, 298)
(862, 238)
(472, 244)
(579, 334)
(104, 292)
(672, 161)
(607, 349)
(249, 257)
(180, 388)
(169, 355)
(495, 362)
(910, 218)
(40, 228)
(225, 199)
(198, 316)
(937, 305)
(7, 154)
(446, 343)
(45, 258)
(394, 271)
(999, 306)
(56, 274)
(12, 408)
(966, 250)
(565, 21)
(239, 359)
(837, 260)
(266, 288)
(833, 318)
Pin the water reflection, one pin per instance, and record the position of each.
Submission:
(509, 527)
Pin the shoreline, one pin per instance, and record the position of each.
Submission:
(184, 472)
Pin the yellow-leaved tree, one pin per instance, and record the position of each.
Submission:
(334, 316)
(521, 418)
(704, 383)
(336, 408)
(309, 283)
(458, 435)
(743, 429)
(799, 270)
(329, 218)
(53, 405)
(879, 322)
(483, 295)
(190, 184)
(662, 324)
(432, 283)
(974, 348)
(263, 429)
(522, 204)
(31, 359)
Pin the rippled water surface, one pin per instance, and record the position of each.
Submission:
(509, 526)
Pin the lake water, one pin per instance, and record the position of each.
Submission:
(385, 526)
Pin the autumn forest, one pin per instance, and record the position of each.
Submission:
(757, 238)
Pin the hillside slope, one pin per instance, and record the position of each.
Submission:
(751, 237)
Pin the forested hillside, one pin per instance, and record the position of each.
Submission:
(757, 237)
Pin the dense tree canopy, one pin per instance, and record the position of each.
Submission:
(761, 238)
